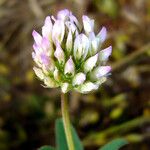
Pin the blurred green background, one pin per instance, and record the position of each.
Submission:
(120, 108)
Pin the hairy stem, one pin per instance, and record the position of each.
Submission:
(66, 121)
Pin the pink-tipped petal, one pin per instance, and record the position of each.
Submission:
(45, 59)
(58, 31)
(72, 27)
(37, 37)
(88, 87)
(47, 28)
(91, 36)
(69, 42)
(59, 53)
(74, 20)
(105, 53)
(36, 48)
(69, 66)
(45, 43)
(79, 78)
(102, 71)
(102, 34)
(63, 14)
(48, 21)
(88, 24)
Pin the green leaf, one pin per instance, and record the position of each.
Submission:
(77, 142)
(114, 145)
(61, 138)
(60, 135)
(46, 148)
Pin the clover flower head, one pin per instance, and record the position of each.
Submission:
(68, 56)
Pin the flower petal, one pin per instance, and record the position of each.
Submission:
(87, 87)
(81, 46)
(58, 31)
(90, 63)
(79, 78)
(56, 74)
(45, 59)
(37, 48)
(47, 28)
(59, 53)
(69, 67)
(65, 87)
(45, 43)
(99, 72)
(88, 24)
(37, 37)
(39, 73)
(49, 82)
(102, 34)
(71, 26)
(104, 54)
(69, 42)
(63, 14)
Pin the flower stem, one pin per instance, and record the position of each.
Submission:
(66, 121)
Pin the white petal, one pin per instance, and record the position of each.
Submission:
(58, 31)
(47, 28)
(74, 20)
(94, 44)
(81, 46)
(49, 82)
(45, 43)
(69, 66)
(37, 37)
(101, 80)
(88, 87)
(38, 72)
(47, 46)
(56, 74)
(88, 24)
(79, 78)
(99, 72)
(69, 42)
(104, 54)
(90, 63)
(102, 34)
(59, 53)
(37, 48)
(65, 87)
(63, 14)
(36, 59)
(71, 26)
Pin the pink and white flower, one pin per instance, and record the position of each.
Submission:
(69, 57)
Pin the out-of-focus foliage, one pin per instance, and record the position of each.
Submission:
(120, 108)
(61, 141)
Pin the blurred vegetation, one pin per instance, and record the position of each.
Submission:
(120, 108)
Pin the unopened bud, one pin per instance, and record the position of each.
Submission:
(69, 67)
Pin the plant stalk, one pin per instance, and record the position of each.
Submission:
(66, 120)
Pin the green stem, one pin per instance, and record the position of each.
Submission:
(66, 121)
